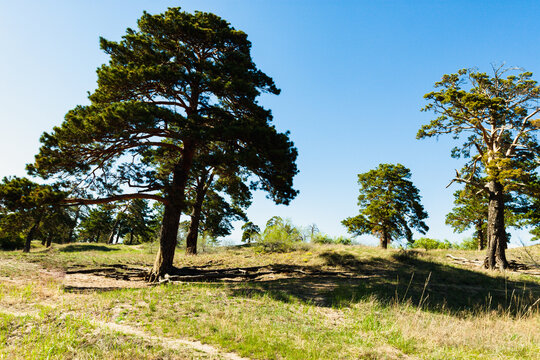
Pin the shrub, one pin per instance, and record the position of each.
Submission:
(468, 244)
(326, 239)
(280, 235)
(322, 239)
(430, 244)
(343, 240)
(11, 242)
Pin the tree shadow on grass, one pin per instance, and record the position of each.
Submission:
(406, 278)
(86, 247)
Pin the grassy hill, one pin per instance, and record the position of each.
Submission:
(322, 302)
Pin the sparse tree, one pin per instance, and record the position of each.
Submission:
(312, 230)
(389, 205)
(493, 117)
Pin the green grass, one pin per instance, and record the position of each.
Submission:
(53, 336)
(343, 302)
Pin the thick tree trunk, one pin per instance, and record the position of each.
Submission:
(171, 216)
(496, 255)
(480, 235)
(193, 232)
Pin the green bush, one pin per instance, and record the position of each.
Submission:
(430, 244)
(320, 238)
(343, 240)
(468, 244)
(326, 239)
(280, 235)
(11, 242)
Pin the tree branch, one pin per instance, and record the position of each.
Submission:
(75, 201)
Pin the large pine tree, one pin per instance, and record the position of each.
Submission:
(175, 86)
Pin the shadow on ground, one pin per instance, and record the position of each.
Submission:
(405, 278)
(86, 247)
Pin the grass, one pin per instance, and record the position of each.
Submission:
(344, 302)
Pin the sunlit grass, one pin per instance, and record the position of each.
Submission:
(389, 305)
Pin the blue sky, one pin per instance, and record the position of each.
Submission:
(352, 73)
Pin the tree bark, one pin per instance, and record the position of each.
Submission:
(30, 235)
(171, 216)
(480, 235)
(49, 240)
(384, 240)
(193, 232)
(496, 255)
(113, 231)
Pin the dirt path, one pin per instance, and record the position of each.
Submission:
(166, 342)
(170, 343)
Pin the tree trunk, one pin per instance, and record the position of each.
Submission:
(49, 240)
(384, 240)
(30, 235)
(171, 216)
(111, 236)
(193, 232)
(43, 241)
(72, 230)
(480, 235)
(117, 237)
(496, 255)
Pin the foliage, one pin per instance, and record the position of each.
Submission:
(137, 221)
(492, 117)
(179, 84)
(320, 238)
(280, 235)
(389, 205)
(430, 244)
(470, 243)
(470, 210)
(96, 224)
(25, 207)
(11, 240)
(250, 231)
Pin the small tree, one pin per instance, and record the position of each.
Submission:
(250, 231)
(389, 205)
(471, 209)
(493, 117)
(23, 207)
(97, 224)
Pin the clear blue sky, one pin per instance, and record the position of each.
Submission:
(352, 74)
